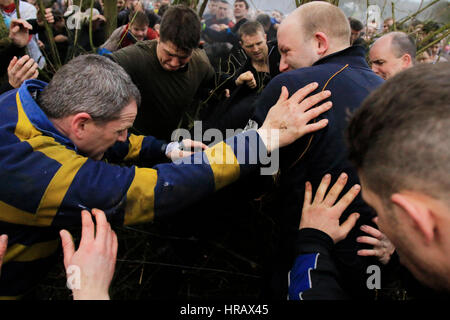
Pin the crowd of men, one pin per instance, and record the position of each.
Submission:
(312, 90)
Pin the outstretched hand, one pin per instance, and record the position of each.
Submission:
(22, 69)
(19, 32)
(382, 246)
(187, 148)
(322, 214)
(288, 119)
(95, 258)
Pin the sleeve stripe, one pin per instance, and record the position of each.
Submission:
(24, 128)
(134, 147)
(21, 253)
(224, 164)
(141, 197)
(11, 214)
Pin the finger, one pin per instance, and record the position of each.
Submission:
(314, 126)
(25, 68)
(308, 194)
(25, 24)
(368, 240)
(15, 29)
(114, 245)
(372, 231)
(314, 100)
(303, 92)
(20, 63)
(336, 190)
(12, 63)
(345, 201)
(367, 253)
(322, 189)
(35, 75)
(68, 246)
(348, 225)
(315, 112)
(102, 225)
(284, 95)
(31, 72)
(87, 227)
(3, 246)
(194, 144)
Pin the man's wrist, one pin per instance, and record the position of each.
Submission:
(82, 295)
(172, 146)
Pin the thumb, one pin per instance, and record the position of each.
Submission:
(348, 225)
(284, 95)
(68, 247)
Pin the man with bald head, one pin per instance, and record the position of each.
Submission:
(391, 54)
(314, 43)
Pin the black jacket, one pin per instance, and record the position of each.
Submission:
(349, 78)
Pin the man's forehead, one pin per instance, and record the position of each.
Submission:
(248, 39)
(173, 49)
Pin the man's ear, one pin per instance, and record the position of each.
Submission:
(418, 212)
(322, 43)
(78, 124)
(406, 60)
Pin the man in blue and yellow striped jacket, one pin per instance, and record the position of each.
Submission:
(57, 146)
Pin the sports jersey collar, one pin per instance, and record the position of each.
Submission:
(35, 114)
(353, 55)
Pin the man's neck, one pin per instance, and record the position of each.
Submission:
(261, 66)
(239, 19)
(333, 49)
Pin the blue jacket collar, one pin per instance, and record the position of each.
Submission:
(35, 114)
(355, 56)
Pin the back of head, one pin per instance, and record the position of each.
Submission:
(399, 137)
(318, 16)
(89, 83)
(355, 24)
(250, 28)
(401, 43)
(264, 19)
(181, 26)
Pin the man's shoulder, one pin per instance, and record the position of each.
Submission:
(134, 53)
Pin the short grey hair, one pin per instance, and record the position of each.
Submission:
(92, 84)
(401, 43)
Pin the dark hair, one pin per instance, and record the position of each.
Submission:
(224, 1)
(399, 137)
(140, 19)
(402, 43)
(264, 19)
(245, 2)
(250, 28)
(355, 24)
(181, 26)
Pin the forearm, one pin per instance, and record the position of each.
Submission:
(314, 275)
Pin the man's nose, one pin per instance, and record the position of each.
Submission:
(283, 65)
